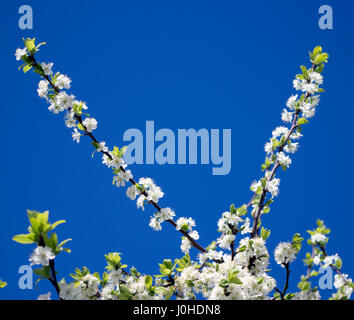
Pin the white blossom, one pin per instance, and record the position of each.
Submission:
(19, 53)
(273, 186)
(283, 159)
(47, 68)
(287, 116)
(284, 253)
(318, 238)
(89, 285)
(76, 135)
(292, 102)
(90, 124)
(42, 88)
(62, 82)
(46, 296)
(102, 147)
(41, 255)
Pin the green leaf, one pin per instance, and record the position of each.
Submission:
(43, 272)
(54, 239)
(320, 58)
(63, 242)
(24, 238)
(265, 233)
(80, 127)
(148, 281)
(301, 121)
(339, 263)
(124, 294)
(27, 68)
(55, 224)
(317, 50)
(305, 72)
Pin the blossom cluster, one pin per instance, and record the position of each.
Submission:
(230, 267)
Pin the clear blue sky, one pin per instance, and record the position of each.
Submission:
(185, 64)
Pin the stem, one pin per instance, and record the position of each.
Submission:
(286, 285)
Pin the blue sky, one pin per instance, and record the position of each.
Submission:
(185, 64)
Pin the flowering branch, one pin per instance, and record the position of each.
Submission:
(45, 70)
(281, 160)
(237, 271)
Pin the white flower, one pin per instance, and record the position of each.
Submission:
(41, 255)
(53, 108)
(268, 147)
(291, 147)
(315, 100)
(284, 253)
(146, 182)
(273, 186)
(70, 291)
(308, 111)
(19, 53)
(279, 131)
(101, 147)
(42, 88)
(166, 214)
(297, 84)
(295, 136)
(291, 102)
(340, 281)
(187, 224)
(45, 296)
(185, 245)
(115, 276)
(246, 227)
(311, 88)
(316, 77)
(329, 260)
(154, 193)
(226, 240)
(47, 68)
(70, 121)
(155, 224)
(89, 285)
(90, 124)
(287, 116)
(283, 159)
(306, 295)
(62, 82)
(132, 192)
(255, 185)
(121, 177)
(318, 238)
(76, 135)
(117, 162)
(106, 293)
(128, 175)
(140, 202)
(118, 179)
(194, 235)
(64, 101)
